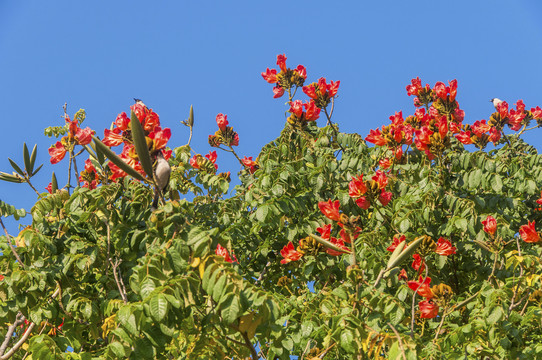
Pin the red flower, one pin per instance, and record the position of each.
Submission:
(384, 163)
(278, 91)
(289, 253)
(251, 165)
(428, 309)
(415, 87)
(356, 187)
(84, 136)
(418, 264)
(122, 121)
(536, 112)
(222, 251)
(151, 121)
(116, 171)
(452, 89)
(515, 118)
(440, 90)
(57, 152)
(296, 108)
(330, 209)
(381, 179)
(490, 225)
(310, 91)
(494, 135)
(339, 243)
(112, 137)
(333, 87)
(301, 71)
(312, 112)
(520, 106)
(270, 76)
(194, 162)
(464, 137)
(528, 233)
(539, 201)
(363, 203)
(402, 275)
(502, 108)
(1, 277)
(421, 287)
(212, 158)
(375, 137)
(396, 241)
(140, 111)
(480, 127)
(160, 137)
(281, 62)
(49, 188)
(324, 231)
(385, 197)
(235, 141)
(222, 121)
(444, 247)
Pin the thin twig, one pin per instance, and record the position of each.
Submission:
(401, 347)
(8, 237)
(119, 282)
(336, 132)
(262, 273)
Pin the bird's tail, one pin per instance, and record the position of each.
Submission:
(154, 205)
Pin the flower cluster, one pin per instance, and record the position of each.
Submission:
(286, 78)
(250, 164)
(75, 136)
(299, 117)
(321, 92)
(207, 163)
(348, 233)
(121, 133)
(367, 192)
(225, 134)
(435, 297)
(430, 128)
(528, 233)
(89, 177)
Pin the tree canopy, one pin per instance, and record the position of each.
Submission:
(421, 246)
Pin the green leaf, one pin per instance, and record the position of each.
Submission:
(230, 309)
(261, 213)
(141, 146)
(16, 167)
(461, 224)
(33, 158)
(26, 157)
(404, 225)
(38, 169)
(347, 340)
(496, 184)
(115, 159)
(158, 307)
(54, 183)
(117, 349)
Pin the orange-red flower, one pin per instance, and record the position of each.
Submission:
(418, 264)
(421, 287)
(402, 275)
(444, 247)
(250, 164)
(528, 233)
(490, 225)
(222, 251)
(222, 121)
(539, 201)
(289, 253)
(428, 309)
(339, 243)
(160, 137)
(356, 187)
(330, 209)
(57, 152)
(270, 76)
(112, 137)
(49, 188)
(212, 156)
(397, 239)
(324, 231)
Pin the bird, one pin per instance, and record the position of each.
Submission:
(496, 102)
(162, 172)
(140, 102)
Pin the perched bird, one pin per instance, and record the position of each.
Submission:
(138, 101)
(496, 102)
(162, 172)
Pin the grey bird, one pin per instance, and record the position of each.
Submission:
(162, 172)
(496, 102)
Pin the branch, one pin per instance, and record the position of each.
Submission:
(401, 347)
(19, 343)
(19, 319)
(11, 245)
(248, 344)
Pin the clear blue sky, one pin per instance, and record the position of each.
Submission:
(99, 55)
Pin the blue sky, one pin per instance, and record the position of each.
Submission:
(210, 54)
